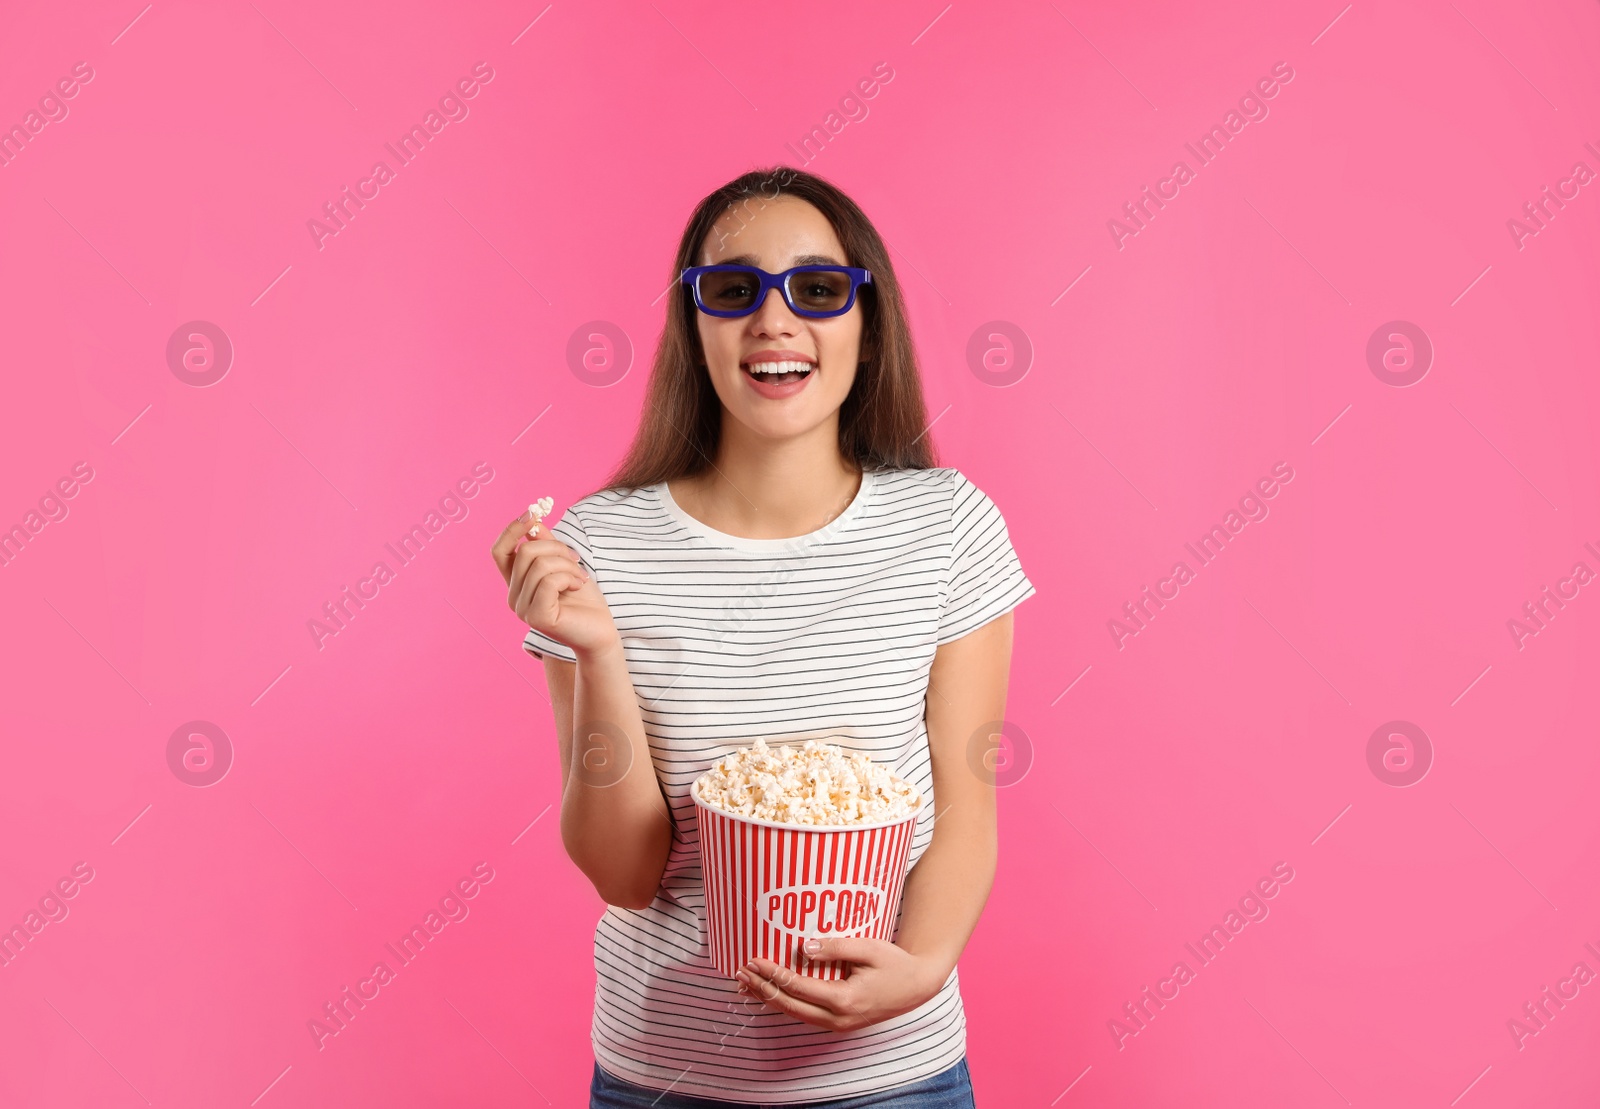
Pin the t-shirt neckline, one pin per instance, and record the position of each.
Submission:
(794, 543)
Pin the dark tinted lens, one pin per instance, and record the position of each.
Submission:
(728, 290)
(820, 290)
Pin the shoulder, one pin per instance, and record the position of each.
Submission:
(974, 515)
(944, 490)
(614, 518)
(904, 484)
(605, 504)
(945, 478)
(962, 497)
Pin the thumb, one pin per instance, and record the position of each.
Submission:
(852, 949)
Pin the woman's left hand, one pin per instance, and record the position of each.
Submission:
(885, 981)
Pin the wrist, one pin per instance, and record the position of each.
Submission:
(610, 650)
(933, 969)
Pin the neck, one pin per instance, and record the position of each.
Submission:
(761, 489)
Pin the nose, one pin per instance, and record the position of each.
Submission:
(774, 318)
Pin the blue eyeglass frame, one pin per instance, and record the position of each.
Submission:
(780, 281)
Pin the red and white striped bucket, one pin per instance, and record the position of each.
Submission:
(770, 886)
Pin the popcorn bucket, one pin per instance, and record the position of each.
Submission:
(770, 887)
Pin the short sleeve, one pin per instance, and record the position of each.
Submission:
(568, 529)
(985, 578)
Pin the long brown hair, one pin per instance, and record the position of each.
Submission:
(883, 422)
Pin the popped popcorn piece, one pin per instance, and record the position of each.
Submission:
(539, 509)
(816, 783)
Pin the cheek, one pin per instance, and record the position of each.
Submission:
(705, 332)
(840, 348)
(843, 386)
(719, 344)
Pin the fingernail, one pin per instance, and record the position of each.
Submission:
(813, 946)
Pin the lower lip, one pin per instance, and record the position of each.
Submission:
(774, 391)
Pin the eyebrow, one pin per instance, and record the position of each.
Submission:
(802, 260)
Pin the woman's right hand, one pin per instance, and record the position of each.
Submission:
(549, 589)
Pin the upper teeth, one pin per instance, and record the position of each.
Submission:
(779, 367)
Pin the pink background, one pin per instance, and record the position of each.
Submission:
(370, 375)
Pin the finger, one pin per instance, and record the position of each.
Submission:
(833, 996)
(850, 949)
(529, 566)
(505, 545)
(768, 991)
(530, 573)
(535, 549)
(540, 605)
(548, 554)
(555, 554)
(537, 604)
(548, 591)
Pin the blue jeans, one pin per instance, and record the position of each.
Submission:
(951, 1088)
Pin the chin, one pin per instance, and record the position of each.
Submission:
(795, 425)
(781, 429)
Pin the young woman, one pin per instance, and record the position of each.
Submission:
(777, 556)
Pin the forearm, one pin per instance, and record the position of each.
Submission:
(614, 820)
(946, 891)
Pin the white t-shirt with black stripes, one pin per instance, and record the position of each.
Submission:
(829, 636)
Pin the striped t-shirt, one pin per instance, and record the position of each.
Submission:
(829, 636)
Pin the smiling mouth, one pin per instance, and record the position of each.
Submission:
(778, 373)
